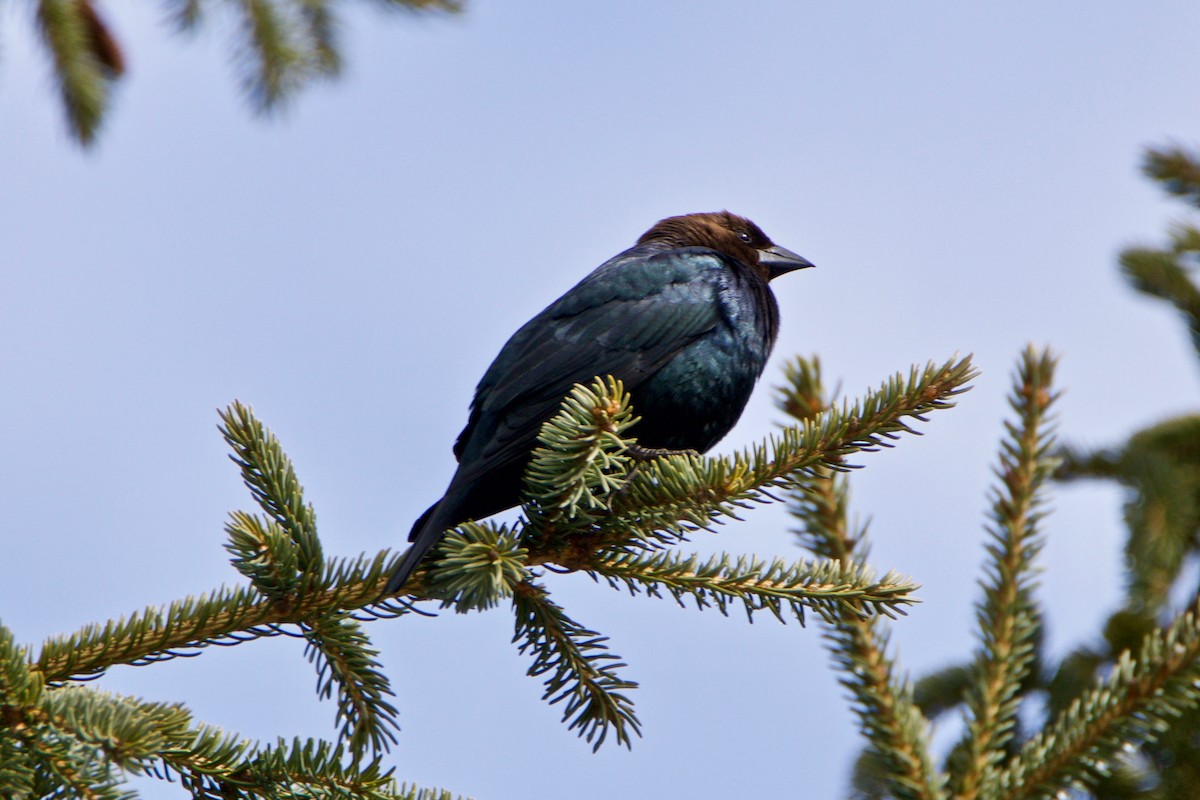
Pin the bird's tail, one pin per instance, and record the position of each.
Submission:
(425, 534)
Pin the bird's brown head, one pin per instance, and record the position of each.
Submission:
(728, 234)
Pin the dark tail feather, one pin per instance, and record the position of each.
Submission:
(426, 532)
(422, 521)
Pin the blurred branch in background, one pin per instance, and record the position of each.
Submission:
(1119, 714)
(280, 47)
(1008, 748)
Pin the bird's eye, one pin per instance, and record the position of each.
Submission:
(744, 236)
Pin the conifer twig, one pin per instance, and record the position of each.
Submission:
(297, 592)
(1177, 169)
(662, 496)
(894, 726)
(77, 736)
(269, 475)
(897, 731)
(223, 616)
(477, 566)
(583, 673)
(1008, 617)
(283, 568)
(667, 498)
(758, 585)
(580, 458)
(1134, 704)
(346, 663)
(72, 34)
(283, 46)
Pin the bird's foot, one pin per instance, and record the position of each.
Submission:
(648, 453)
(641, 455)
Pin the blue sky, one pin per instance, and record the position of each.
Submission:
(962, 175)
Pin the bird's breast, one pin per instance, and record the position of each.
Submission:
(698, 396)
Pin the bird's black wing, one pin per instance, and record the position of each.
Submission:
(626, 319)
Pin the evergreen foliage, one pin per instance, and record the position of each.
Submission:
(592, 506)
(1159, 470)
(1135, 703)
(1121, 716)
(595, 504)
(281, 46)
(1115, 719)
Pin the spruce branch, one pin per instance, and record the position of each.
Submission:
(322, 27)
(278, 53)
(17, 770)
(1177, 169)
(295, 591)
(19, 685)
(1163, 274)
(665, 499)
(579, 461)
(287, 44)
(346, 662)
(76, 735)
(277, 555)
(126, 731)
(1076, 464)
(200, 756)
(897, 732)
(943, 690)
(1166, 272)
(86, 61)
(417, 6)
(282, 46)
(661, 497)
(1134, 704)
(803, 396)
(478, 565)
(271, 479)
(185, 14)
(895, 728)
(337, 645)
(757, 584)
(1159, 467)
(73, 738)
(582, 671)
(315, 769)
(222, 617)
(63, 768)
(297, 770)
(417, 793)
(580, 468)
(590, 511)
(1158, 273)
(1008, 617)
(19, 688)
(264, 553)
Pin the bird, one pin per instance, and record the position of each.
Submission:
(685, 318)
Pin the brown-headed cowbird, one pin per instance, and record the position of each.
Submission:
(685, 319)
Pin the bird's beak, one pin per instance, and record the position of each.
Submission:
(779, 260)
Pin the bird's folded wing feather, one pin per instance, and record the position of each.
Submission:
(626, 319)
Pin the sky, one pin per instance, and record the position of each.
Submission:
(962, 175)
